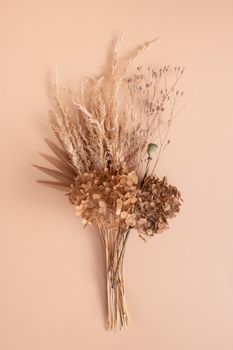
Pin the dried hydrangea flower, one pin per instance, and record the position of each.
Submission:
(157, 203)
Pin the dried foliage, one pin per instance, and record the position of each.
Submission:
(111, 139)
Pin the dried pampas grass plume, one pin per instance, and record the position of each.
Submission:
(110, 139)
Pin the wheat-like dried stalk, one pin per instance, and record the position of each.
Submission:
(119, 121)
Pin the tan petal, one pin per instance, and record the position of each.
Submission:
(124, 214)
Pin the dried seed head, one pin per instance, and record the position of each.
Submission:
(151, 149)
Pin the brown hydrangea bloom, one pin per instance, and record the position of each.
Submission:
(106, 197)
(158, 202)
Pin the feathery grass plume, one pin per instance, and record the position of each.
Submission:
(111, 139)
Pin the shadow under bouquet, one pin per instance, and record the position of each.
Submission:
(111, 138)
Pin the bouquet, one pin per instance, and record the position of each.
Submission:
(111, 138)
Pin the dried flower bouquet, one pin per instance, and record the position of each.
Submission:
(112, 138)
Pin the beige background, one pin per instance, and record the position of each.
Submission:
(179, 285)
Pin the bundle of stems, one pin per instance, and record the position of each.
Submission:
(114, 253)
(111, 139)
